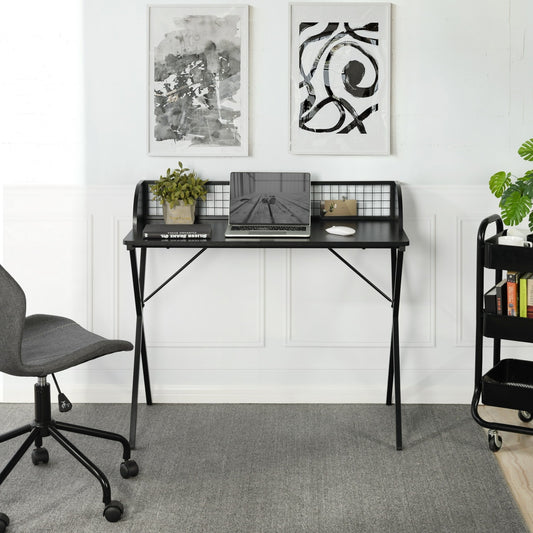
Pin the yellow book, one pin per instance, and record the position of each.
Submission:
(522, 296)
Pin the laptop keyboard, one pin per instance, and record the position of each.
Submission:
(256, 227)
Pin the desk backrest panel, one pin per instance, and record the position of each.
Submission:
(376, 200)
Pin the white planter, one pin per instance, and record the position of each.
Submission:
(179, 214)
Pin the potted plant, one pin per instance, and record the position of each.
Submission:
(178, 191)
(516, 194)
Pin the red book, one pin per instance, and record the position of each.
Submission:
(530, 297)
(512, 292)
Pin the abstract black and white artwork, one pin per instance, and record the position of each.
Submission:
(340, 79)
(198, 74)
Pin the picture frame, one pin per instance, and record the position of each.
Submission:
(197, 80)
(340, 78)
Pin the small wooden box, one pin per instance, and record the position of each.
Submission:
(341, 207)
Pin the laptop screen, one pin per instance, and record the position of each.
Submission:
(270, 198)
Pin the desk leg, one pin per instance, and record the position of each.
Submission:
(138, 347)
(144, 356)
(396, 347)
(388, 400)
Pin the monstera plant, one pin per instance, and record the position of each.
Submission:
(515, 193)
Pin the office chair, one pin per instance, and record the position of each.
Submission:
(40, 345)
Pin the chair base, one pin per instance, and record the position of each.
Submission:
(45, 426)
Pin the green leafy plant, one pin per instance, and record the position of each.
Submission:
(180, 184)
(516, 194)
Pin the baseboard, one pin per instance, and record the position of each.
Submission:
(255, 395)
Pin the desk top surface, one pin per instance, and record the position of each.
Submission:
(368, 234)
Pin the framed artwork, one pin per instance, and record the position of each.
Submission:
(198, 80)
(340, 78)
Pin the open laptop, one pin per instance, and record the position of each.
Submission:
(269, 204)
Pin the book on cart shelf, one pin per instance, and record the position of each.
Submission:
(513, 278)
(529, 296)
(522, 293)
(501, 297)
(490, 301)
(496, 299)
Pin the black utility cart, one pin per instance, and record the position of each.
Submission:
(509, 383)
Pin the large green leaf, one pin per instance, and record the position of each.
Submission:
(527, 185)
(515, 207)
(526, 150)
(499, 182)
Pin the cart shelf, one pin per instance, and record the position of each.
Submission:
(509, 384)
(508, 327)
(499, 256)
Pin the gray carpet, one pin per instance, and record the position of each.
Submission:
(268, 468)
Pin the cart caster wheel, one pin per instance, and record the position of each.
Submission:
(525, 416)
(4, 522)
(129, 469)
(39, 455)
(495, 441)
(113, 511)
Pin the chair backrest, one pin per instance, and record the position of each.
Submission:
(12, 316)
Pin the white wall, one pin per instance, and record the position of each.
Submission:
(459, 94)
(74, 146)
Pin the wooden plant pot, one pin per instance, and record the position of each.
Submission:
(179, 214)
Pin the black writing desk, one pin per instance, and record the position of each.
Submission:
(379, 226)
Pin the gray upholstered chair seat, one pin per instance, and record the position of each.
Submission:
(53, 343)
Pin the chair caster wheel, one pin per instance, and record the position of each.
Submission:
(525, 416)
(4, 522)
(129, 469)
(495, 441)
(113, 511)
(39, 455)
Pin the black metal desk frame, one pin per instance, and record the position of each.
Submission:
(373, 231)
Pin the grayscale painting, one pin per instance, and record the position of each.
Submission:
(340, 78)
(198, 80)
